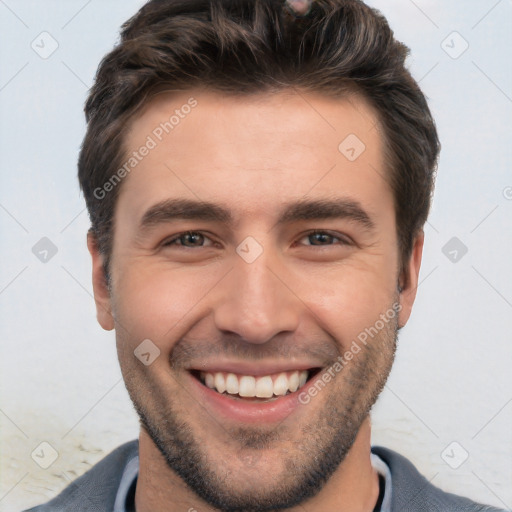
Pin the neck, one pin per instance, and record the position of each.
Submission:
(354, 486)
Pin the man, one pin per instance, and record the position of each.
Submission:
(257, 175)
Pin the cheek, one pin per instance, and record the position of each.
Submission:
(157, 304)
(347, 301)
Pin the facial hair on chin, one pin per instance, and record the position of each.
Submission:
(320, 447)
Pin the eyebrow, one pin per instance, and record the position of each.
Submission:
(316, 209)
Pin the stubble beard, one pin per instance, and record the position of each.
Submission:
(319, 447)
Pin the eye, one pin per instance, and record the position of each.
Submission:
(188, 239)
(324, 238)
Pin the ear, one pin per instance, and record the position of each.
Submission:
(408, 280)
(99, 285)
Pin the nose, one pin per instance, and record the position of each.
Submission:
(256, 302)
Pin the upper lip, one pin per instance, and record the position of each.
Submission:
(256, 369)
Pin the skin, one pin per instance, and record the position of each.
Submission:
(305, 298)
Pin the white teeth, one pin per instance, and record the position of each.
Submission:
(209, 380)
(220, 383)
(249, 386)
(232, 384)
(293, 382)
(281, 385)
(264, 387)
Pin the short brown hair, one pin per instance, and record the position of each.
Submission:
(251, 46)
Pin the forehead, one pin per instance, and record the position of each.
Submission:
(253, 150)
(290, 116)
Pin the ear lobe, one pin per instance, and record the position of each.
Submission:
(409, 280)
(99, 285)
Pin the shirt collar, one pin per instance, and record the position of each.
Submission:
(383, 469)
(130, 474)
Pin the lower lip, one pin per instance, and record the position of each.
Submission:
(239, 410)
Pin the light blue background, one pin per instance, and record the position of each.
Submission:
(59, 377)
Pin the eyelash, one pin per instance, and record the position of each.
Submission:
(342, 240)
(170, 241)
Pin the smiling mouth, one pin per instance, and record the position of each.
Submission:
(262, 388)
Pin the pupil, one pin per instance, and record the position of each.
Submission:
(192, 238)
(319, 238)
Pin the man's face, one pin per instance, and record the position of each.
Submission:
(247, 242)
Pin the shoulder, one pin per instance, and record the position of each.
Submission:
(97, 488)
(414, 493)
